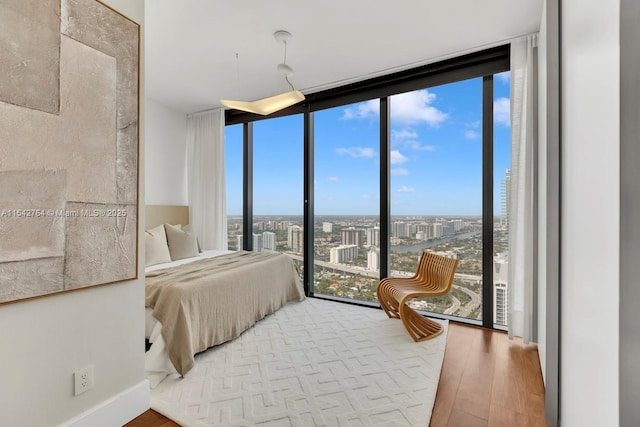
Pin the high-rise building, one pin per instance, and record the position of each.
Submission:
(327, 227)
(501, 288)
(257, 242)
(282, 225)
(394, 229)
(401, 229)
(447, 228)
(422, 227)
(373, 236)
(343, 253)
(424, 231)
(437, 230)
(351, 236)
(506, 197)
(259, 226)
(500, 300)
(295, 238)
(269, 240)
(373, 259)
(458, 224)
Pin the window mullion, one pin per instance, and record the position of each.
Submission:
(487, 201)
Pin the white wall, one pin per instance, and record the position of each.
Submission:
(590, 212)
(542, 191)
(166, 172)
(45, 340)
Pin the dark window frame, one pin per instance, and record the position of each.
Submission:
(482, 64)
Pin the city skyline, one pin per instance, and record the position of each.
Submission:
(346, 255)
(436, 156)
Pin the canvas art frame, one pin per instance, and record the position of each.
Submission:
(69, 147)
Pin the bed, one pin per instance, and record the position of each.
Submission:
(200, 301)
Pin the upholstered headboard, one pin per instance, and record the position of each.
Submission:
(161, 214)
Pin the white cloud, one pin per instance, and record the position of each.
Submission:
(403, 134)
(333, 179)
(415, 107)
(357, 152)
(399, 172)
(395, 157)
(408, 138)
(504, 77)
(405, 189)
(471, 134)
(417, 146)
(368, 109)
(406, 108)
(501, 112)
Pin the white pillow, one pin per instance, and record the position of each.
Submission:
(156, 248)
(187, 228)
(182, 243)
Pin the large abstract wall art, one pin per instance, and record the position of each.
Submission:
(68, 147)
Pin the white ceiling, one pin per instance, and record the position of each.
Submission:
(191, 45)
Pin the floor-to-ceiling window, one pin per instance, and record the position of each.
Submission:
(501, 191)
(347, 201)
(277, 186)
(436, 189)
(234, 182)
(365, 177)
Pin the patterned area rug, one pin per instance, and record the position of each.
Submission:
(312, 363)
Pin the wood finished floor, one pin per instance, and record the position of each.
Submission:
(486, 380)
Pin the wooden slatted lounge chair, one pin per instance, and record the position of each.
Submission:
(433, 278)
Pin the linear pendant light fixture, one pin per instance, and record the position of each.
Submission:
(266, 106)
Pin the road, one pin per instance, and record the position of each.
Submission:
(375, 274)
(456, 308)
(467, 309)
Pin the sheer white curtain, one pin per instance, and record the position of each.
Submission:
(206, 178)
(521, 194)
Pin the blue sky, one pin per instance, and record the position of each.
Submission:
(436, 149)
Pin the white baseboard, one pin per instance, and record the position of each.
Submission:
(116, 411)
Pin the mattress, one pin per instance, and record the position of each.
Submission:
(205, 302)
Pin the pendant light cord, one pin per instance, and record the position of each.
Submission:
(286, 77)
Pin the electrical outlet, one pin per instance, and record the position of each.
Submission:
(83, 379)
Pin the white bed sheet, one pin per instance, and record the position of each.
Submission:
(149, 323)
(156, 361)
(204, 254)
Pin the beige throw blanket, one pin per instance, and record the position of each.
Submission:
(214, 300)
